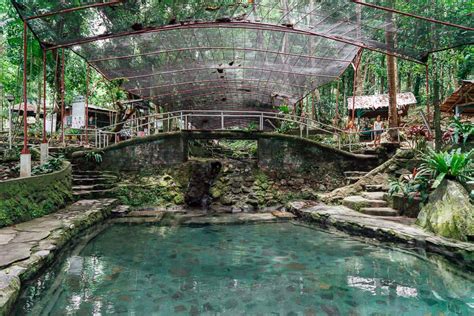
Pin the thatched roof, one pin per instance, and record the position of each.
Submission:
(380, 101)
(462, 97)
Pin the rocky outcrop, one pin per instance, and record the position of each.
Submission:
(28, 247)
(449, 212)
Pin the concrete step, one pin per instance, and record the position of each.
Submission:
(378, 195)
(379, 211)
(375, 188)
(88, 187)
(357, 202)
(92, 194)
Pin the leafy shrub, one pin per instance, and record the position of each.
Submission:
(454, 165)
(410, 186)
(51, 165)
(419, 136)
(94, 156)
(459, 132)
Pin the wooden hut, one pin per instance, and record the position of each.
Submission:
(461, 102)
(373, 105)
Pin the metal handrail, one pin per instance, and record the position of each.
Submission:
(103, 135)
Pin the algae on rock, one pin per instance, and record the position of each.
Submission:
(449, 212)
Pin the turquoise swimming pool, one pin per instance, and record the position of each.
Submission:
(264, 269)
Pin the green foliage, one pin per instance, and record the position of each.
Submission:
(24, 199)
(252, 126)
(454, 165)
(461, 131)
(53, 164)
(410, 186)
(94, 156)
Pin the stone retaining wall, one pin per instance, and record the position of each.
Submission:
(275, 151)
(27, 248)
(27, 198)
(145, 153)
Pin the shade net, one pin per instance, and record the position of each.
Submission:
(241, 54)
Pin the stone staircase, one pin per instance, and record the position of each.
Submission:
(353, 176)
(92, 184)
(371, 202)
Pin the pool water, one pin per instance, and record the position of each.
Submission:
(267, 269)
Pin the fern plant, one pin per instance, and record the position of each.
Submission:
(454, 165)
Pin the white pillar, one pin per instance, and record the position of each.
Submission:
(25, 165)
(44, 152)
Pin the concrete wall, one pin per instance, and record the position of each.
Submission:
(275, 151)
(285, 153)
(145, 153)
(26, 198)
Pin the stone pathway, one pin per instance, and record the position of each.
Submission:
(383, 229)
(26, 247)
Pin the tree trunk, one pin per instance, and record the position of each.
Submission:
(392, 77)
(436, 105)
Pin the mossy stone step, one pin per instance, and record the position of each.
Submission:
(87, 187)
(91, 172)
(379, 211)
(359, 174)
(375, 188)
(89, 181)
(377, 195)
(92, 176)
(351, 180)
(92, 194)
(357, 202)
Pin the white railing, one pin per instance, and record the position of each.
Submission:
(182, 120)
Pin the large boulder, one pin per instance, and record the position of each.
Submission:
(449, 212)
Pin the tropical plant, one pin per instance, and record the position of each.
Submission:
(453, 165)
(51, 165)
(94, 156)
(419, 136)
(410, 186)
(459, 131)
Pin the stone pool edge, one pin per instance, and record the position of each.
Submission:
(357, 224)
(63, 227)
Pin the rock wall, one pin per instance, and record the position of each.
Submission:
(27, 198)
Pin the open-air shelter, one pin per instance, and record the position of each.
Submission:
(239, 54)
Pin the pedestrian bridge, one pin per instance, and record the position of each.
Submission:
(277, 152)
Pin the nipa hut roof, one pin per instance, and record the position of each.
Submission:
(380, 101)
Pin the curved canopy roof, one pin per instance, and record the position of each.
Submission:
(241, 53)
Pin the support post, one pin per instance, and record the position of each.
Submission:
(261, 121)
(307, 127)
(25, 157)
(222, 120)
(86, 116)
(44, 145)
(10, 141)
(63, 141)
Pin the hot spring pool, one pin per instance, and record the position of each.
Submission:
(267, 269)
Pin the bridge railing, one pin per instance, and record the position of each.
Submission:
(182, 120)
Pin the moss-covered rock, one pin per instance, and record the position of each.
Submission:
(449, 212)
